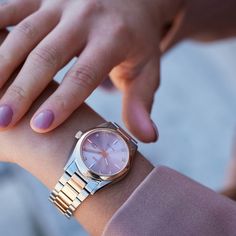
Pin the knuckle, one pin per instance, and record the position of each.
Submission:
(120, 28)
(17, 92)
(5, 60)
(27, 29)
(47, 56)
(84, 77)
(91, 7)
(61, 102)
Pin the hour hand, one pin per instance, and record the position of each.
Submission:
(91, 150)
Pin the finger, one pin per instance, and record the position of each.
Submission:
(40, 67)
(93, 65)
(13, 11)
(175, 33)
(137, 102)
(24, 37)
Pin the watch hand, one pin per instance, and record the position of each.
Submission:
(91, 150)
(110, 147)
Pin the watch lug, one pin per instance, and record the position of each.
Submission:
(70, 161)
(92, 185)
(72, 168)
(100, 185)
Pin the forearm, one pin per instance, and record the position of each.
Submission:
(44, 155)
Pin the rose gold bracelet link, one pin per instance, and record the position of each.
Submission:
(78, 181)
(69, 192)
(61, 206)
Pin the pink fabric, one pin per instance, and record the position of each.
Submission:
(168, 203)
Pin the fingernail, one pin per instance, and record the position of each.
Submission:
(156, 131)
(43, 120)
(6, 115)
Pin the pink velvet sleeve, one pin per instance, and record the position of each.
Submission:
(168, 203)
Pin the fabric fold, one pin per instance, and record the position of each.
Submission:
(169, 203)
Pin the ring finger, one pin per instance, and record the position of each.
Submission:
(94, 63)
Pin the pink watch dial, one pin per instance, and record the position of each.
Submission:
(105, 153)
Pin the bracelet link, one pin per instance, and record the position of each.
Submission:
(69, 192)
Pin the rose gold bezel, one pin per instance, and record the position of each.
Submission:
(89, 173)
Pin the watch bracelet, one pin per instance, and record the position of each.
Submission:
(72, 189)
(69, 192)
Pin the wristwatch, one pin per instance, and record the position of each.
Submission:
(101, 156)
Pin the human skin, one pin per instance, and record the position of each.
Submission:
(230, 180)
(130, 52)
(120, 37)
(203, 20)
(45, 155)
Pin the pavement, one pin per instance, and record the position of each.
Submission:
(195, 112)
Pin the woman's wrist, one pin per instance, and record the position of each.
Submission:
(44, 155)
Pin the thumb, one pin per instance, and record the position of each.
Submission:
(137, 102)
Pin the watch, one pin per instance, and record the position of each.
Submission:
(101, 156)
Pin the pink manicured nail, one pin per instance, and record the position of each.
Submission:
(6, 115)
(43, 120)
(156, 131)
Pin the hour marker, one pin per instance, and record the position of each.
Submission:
(106, 161)
(115, 142)
(92, 165)
(90, 150)
(117, 166)
(93, 144)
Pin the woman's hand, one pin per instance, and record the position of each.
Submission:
(121, 37)
(45, 156)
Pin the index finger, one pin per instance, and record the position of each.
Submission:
(95, 62)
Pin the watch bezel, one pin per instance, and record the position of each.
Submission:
(89, 173)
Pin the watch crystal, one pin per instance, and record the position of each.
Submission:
(105, 152)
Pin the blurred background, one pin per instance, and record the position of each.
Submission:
(195, 112)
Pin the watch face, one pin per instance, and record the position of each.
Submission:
(104, 152)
